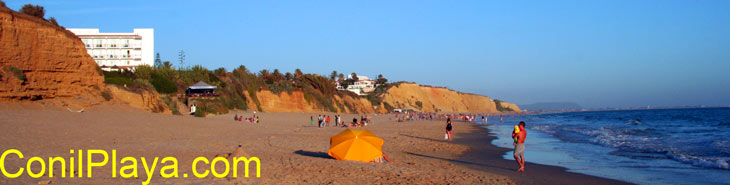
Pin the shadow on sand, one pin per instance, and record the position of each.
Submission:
(313, 154)
(419, 137)
(459, 161)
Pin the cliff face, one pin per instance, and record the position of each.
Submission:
(295, 102)
(436, 99)
(39, 60)
(146, 100)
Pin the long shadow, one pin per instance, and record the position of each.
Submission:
(419, 137)
(458, 161)
(313, 154)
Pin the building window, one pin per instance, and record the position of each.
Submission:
(98, 43)
(126, 43)
(113, 43)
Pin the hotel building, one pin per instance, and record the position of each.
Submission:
(361, 87)
(119, 51)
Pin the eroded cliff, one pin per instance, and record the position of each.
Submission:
(39, 60)
(437, 99)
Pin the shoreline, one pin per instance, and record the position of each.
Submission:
(485, 156)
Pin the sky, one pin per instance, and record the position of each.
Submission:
(595, 53)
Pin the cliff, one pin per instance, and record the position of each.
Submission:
(39, 60)
(296, 102)
(437, 99)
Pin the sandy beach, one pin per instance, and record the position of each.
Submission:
(290, 149)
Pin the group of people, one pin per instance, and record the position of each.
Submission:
(518, 135)
(325, 120)
(252, 119)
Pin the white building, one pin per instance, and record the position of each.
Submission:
(360, 87)
(119, 51)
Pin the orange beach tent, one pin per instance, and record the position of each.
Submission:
(356, 145)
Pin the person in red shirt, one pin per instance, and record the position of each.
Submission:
(519, 144)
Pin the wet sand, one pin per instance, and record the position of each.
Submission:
(292, 151)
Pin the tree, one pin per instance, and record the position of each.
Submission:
(288, 76)
(381, 80)
(341, 76)
(33, 10)
(167, 64)
(298, 74)
(333, 75)
(158, 61)
(354, 77)
(220, 71)
(277, 76)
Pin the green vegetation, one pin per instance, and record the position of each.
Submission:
(419, 104)
(17, 72)
(171, 104)
(237, 86)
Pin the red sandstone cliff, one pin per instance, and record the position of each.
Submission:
(39, 60)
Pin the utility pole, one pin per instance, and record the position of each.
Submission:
(181, 57)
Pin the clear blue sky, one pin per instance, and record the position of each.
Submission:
(595, 53)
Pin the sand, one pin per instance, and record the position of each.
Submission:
(290, 149)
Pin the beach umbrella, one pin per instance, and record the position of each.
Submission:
(356, 145)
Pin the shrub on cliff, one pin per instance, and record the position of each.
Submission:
(163, 85)
(17, 72)
(33, 10)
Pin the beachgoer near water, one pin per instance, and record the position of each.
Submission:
(449, 128)
(354, 121)
(519, 144)
(311, 120)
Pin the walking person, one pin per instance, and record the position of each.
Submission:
(519, 144)
(449, 128)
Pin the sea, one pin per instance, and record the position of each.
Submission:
(661, 146)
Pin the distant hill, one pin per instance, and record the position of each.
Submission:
(551, 106)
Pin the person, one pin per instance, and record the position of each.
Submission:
(449, 128)
(519, 144)
(319, 120)
(257, 119)
(328, 120)
(192, 110)
(311, 120)
(235, 118)
(354, 121)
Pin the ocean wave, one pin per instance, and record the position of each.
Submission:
(702, 161)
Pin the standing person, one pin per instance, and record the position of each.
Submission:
(311, 120)
(519, 144)
(192, 110)
(501, 119)
(319, 120)
(328, 120)
(449, 128)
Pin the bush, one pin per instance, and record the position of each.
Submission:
(17, 72)
(53, 21)
(118, 80)
(163, 85)
(419, 104)
(107, 95)
(171, 104)
(143, 72)
(33, 10)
